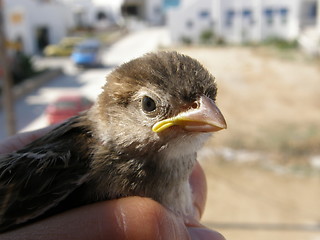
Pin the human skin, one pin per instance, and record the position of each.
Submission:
(124, 218)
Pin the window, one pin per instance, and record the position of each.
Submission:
(229, 17)
(268, 12)
(204, 14)
(248, 16)
(189, 24)
(157, 10)
(284, 15)
(247, 13)
(101, 16)
(312, 13)
(130, 10)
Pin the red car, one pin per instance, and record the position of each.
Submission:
(65, 107)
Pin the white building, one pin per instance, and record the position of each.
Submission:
(35, 23)
(257, 20)
(94, 13)
(241, 20)
(190, 19)
(309, 38)
(149, 11)
(152, 12)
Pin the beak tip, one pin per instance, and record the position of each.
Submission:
(207, 118)
(224, 125)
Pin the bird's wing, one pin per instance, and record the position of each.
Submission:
(38, 177)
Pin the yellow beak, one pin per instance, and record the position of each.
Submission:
(206, 118)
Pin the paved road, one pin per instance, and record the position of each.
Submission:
(30, 109)
(137, 44)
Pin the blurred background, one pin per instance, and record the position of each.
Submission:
(263, 172)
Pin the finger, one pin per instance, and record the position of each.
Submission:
(198, 184)
(201, 233)
(126, 218)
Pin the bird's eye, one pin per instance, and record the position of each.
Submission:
(148, 104)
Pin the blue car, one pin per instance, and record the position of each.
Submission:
(87, 54)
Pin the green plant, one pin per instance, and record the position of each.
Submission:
(22, 67)
(207, 36)
(186, 40)
(281, 43)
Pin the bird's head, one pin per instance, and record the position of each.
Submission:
(157, 99)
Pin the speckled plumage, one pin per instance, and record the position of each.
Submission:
(110, 151)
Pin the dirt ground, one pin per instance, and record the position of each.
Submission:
(248, 202)
(271, 102)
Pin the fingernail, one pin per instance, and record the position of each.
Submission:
(204, 234)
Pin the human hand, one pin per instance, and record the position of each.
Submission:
(125, 218)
